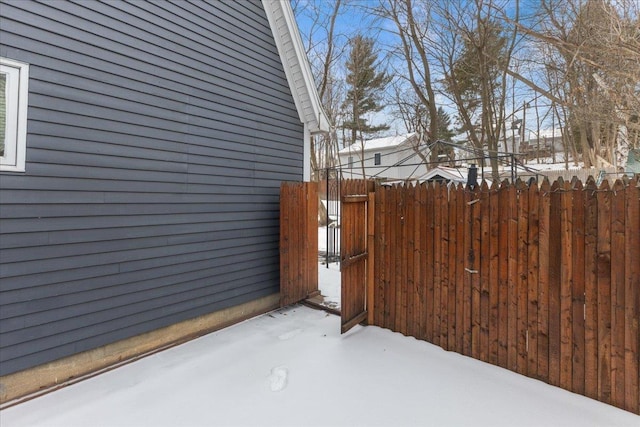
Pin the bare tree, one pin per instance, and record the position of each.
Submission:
(414, 115)
(476, 48)
(325, 48)
(412, 21)
(591, 54)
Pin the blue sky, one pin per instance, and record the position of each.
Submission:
(356, 19)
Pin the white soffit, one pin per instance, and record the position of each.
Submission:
(296, 65)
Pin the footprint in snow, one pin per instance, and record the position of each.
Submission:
(290, 334)
(278, 378)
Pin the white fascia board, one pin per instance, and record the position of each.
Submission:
(296, 65)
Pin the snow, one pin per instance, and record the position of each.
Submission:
(329, 284)
(333, 236)
(292, 367)
(547, 164)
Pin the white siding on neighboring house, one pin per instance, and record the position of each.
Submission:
(396, 155)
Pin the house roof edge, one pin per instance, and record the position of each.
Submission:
(296, 65)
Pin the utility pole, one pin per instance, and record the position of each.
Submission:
(525, 105)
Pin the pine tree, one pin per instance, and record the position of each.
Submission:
(366, 85)
(477, 83)
(444, 123)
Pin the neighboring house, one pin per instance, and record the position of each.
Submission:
(144, 149)
(391, 158)
(545, 144)
(446, 174)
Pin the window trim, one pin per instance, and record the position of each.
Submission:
(16, 115)
(350, 162)
(377, 159)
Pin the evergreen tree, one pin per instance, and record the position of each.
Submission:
(477, 83)
(366, 85)
(444, 123)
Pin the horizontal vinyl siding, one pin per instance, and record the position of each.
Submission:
(158, 135)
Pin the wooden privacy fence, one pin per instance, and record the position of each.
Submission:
(355, 250)
(544, 281)
(298, 241)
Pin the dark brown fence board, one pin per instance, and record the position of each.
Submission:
(393, 253)
(394, 296)
(437, 256)
(381, 248)
(402, 262)
(312, 242)
(590, 289)
(285, 236)
(452, 289)
(371, 248)
(389, 291)
(401, 320)
(632, 297)
(566, 264)
(494, 261)
(429, 263)
(617, 293)
(425, 252)
(532, 281)
(543, 280)
(503, 277)
(474, 272)
(578, 289)
(384, 247)
(482, 197)
(512, 271)
(604, 293)
(555, 253)
(444, 268)
(418, 255)
(412, 301)
(461, 262)
(521, 277)
(467, 244)
(294, 219)
(304, 258)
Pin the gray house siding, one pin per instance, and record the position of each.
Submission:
(158, 135)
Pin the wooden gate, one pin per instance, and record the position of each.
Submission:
(298, 241)
(355, 232)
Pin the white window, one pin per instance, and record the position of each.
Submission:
(14, 88)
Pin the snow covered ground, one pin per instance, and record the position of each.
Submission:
(330, 239)
(292, 367)
(329, 284)
(329, 276)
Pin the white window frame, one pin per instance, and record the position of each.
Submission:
(16, 98)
